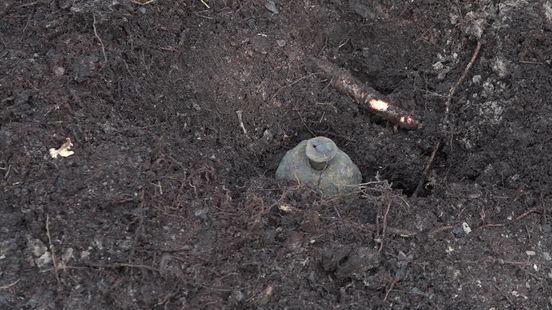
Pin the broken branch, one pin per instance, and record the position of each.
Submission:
(344, 82)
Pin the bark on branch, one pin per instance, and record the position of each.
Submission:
(344, 82)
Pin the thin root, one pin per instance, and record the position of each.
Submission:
(98, 37)
(142, 3)
(205, 4)
(451, 93)
(426, 170)
(384, 226)
(54, 260)
(454, 89)
(240, 119)
(7, 286)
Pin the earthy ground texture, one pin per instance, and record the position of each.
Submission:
(167, 203)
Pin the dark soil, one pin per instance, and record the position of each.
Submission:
(167, 204)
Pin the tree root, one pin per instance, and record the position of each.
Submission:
(344, 82)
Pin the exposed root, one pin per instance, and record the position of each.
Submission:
(344, 82)
(384, 227)
(454, 89)
(372, 227)
(452, 92)
(51, 246)
(142, 3)
(98, 37)
(7, 286)
(426, 170)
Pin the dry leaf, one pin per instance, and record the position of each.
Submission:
(285, 208)
(64, 150)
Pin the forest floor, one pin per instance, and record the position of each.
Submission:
(168, 203)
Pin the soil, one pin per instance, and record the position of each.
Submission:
(167, 203)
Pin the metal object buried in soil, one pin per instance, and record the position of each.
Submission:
(319, 163)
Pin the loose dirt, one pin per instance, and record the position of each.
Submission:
(167, 203)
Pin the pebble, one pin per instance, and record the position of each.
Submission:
(59, 71)
(85, 254)
(271, 6)
(466, 228)
(458, 231)
(196, 106)
(267, 135)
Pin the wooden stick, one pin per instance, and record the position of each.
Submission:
(344, 82)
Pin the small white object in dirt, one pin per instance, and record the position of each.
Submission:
(281, 43)
(546, 256)
(267, 135)
(40, 252)
(476, 79)
(466, 228)
(454, 18)
(441, 70)
(530, 253)
(37, 247)
(500, 67)
(44, 260)
(64, 150)
(85, 255)
(98, 243)
(438, 66)
(271, 6)
(59, 71)
(196, 106)
(285, 208)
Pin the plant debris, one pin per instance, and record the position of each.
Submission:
(64, 150)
